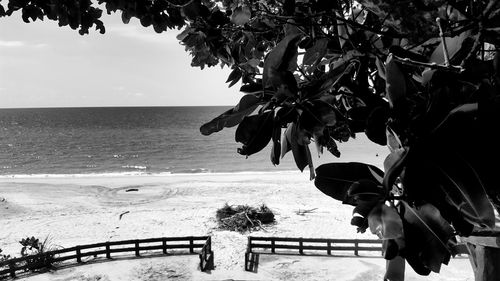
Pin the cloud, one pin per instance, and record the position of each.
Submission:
(11, 43)
(40, 45)
(15, 44)
(141, 33)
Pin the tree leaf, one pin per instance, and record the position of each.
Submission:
(252, 88)
(281, 59)
(394, 165)
(286, 146)
(299, 151)
(126, 17)
(362, 210)
(287, 114)
(335, 179)
(316, 115)
(395, 85)
(232, 117)
(464, 189)
(181, 36)
(314, 54)
(341, 30)
(390, 248)
(192, 10)
(364, 207)
(287, 86)
(234, 76)
(253, 62)
(255, 132)
(241, 15)
(422, 183)
(360, 222)
(310, 163)
(365, 189)
(276, 149)
(375, 128)
(427, 234)
(384, 221)
(453, 45)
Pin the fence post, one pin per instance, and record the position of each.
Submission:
(78, 255)
(329, 251)
(209, 244)
(356, 247)
(301, 245)
(210, 261)
(164, 242)
(137, 248)
(108, 251)
(12, 267)
(202, 262)
(273, 246)
(191, 245)
(248, 253)
(249, 244)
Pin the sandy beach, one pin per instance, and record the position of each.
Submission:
(90, 209)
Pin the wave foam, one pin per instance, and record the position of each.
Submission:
(145, 174)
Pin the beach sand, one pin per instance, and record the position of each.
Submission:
(83, 210)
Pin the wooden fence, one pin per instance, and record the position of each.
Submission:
(201, 245)
(305, 246)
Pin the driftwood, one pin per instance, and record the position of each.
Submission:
(121, 215)
(243, 217)
(303, 212)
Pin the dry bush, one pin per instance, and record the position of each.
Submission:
(243, 217)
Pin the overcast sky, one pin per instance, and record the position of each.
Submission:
(43, 65)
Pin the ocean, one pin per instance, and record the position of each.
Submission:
(137, 140)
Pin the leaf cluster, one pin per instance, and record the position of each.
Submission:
(81, 15)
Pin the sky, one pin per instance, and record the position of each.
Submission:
(44, 65)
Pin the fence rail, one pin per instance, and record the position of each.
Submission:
(305, 246)
(201, 245)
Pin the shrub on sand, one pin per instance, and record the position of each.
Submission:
(39, 253)
(3, 257)
(243, 217)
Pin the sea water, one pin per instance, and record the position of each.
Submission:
(137, 140)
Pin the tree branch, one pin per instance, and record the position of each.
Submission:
(433, 65)
(180, 5)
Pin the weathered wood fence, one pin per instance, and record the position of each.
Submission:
(201, 245)
(305, 246)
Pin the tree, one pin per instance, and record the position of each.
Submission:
(421, 77)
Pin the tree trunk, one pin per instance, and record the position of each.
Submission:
(484, 256)
(395, 269)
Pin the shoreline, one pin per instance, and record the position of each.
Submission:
(141, 174)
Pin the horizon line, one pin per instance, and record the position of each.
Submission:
(113, 106)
